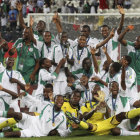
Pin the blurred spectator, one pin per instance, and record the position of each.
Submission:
(92, 9)
(46, 9)
(13, 3)
(104, 4)
(3, 22)
(127, 4)
(24, 9)
(12, 17)
(71, 7)
(30, 6)
(80, 7)
(40, 3)
(96, 5)
(64, 8)
(86, 8)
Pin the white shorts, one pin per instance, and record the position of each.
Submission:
(59, 87)
(30, 125)
(126, 125)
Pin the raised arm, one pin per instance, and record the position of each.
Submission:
(96, 68)
(21, 21)
(123, 84)
(107, 55)
(57, 21)
(106, 40)
(121, 10)
(121, 36)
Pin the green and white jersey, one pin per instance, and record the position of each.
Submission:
(3, 105)
(26, 58)
(120, 104)
(57, 54)
(44, 50)
(116, 77)
(80, 72)
(46, 118)
(112, 49)
(44, 78)
(91, 42)
(135, 56)
(79, 56)
(39, 37)
(2, 53)
(5, 75)
(131, 84)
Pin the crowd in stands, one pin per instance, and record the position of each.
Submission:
(61, 84)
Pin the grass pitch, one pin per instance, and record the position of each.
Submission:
(80, 135)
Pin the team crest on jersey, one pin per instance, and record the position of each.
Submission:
(19, 45)
(31, 49)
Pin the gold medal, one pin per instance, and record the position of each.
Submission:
(53, 124)
(79, 61)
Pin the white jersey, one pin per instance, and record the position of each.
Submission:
(79, 56)
(69, 41)
(5, 75)
(36, 126)
(91, 42)
(57, 54)
(44, 50)
(131, 85)
(44, 78)
(112, 49)
(120, 104)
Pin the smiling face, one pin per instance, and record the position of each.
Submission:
(82, 41)
(59, 100)
(47, 37)
(105, 32)
(41, 26)
(64, 38)
(75, 98)
(46, 92)
(137, 43)
(47, 63)
(87, 64)
(85, 32)
(114, 88)
(95, 90)
(26, 33)
(10, 63)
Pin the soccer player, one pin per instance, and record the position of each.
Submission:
(112, 44)
(86, 69)
(27, 56)
(117, 104)
(133, 52)
(128, 79)
(7, 77)
(41, 25)
(50, 119)
(104, 127)
(80, 50)
(88, 110)
(73, 105)
(45, 76)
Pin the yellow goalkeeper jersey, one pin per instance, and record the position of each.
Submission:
(96, 117)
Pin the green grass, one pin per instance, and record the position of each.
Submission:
(80, 135)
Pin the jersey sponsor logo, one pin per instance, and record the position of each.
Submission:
(31, 49)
